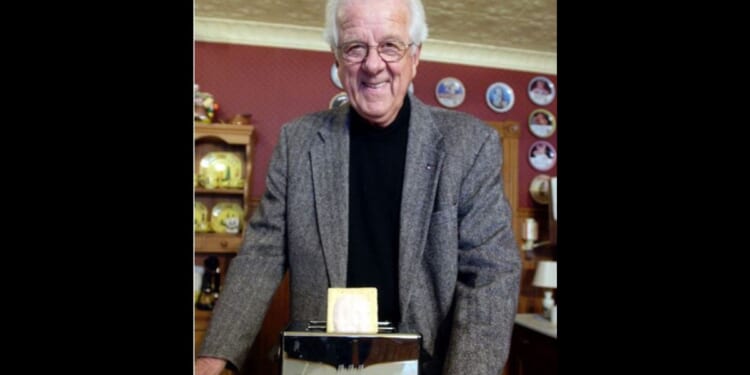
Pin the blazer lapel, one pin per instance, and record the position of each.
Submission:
(329, 160)
(424, 157)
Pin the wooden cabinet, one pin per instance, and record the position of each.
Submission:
(533, 348)
(238, 140)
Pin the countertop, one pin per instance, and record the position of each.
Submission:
(537, 323)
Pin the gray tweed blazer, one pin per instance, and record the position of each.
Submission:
(459, 268)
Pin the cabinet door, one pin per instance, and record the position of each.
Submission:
(532, 353)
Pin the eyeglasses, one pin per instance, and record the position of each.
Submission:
(389, 51)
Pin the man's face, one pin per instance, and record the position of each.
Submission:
(376, 88)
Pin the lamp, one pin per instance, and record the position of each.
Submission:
(530, 233)
(546, 277)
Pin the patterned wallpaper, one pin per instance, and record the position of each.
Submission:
(521, 24)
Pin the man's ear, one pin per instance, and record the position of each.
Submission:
(415, 62)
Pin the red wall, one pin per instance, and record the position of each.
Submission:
(276, 85)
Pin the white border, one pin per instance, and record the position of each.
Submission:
(220, 30)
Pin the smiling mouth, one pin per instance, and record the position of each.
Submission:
(374, 85)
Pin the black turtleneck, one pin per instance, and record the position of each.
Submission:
(376, 176)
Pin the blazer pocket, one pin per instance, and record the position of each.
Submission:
(445, 215)
(442, 238)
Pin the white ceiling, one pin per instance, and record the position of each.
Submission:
(512, 34)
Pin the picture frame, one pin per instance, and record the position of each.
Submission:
(542, 123)
(541, 90)
(500, 97)
(450, 92)
(542, 156)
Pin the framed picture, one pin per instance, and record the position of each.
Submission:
(338, 100)
(541, 90)
(542, 156)
(500, 97)
(335, 76)
(542, 123)
(450, 92)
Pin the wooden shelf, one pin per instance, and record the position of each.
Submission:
(201, 318)
(239, 191)
(217, 243)
(231, 134)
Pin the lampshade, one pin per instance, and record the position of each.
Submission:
(546, 274)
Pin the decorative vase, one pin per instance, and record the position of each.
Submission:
(547, 304)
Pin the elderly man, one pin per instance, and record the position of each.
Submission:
(382, 192)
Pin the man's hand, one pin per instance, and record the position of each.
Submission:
(209, 366)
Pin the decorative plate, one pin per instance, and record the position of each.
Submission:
(338, 100)
(542, 156)
(541, 90)
(335, 76)
(226, 218)
(450, 92)
(540, 189)
(542, 123)
(500, 97)
(220, 170)
(200, 217)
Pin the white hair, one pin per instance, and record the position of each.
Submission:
(417, 24)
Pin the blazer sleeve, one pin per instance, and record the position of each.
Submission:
(489, 269)
(255, 273)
